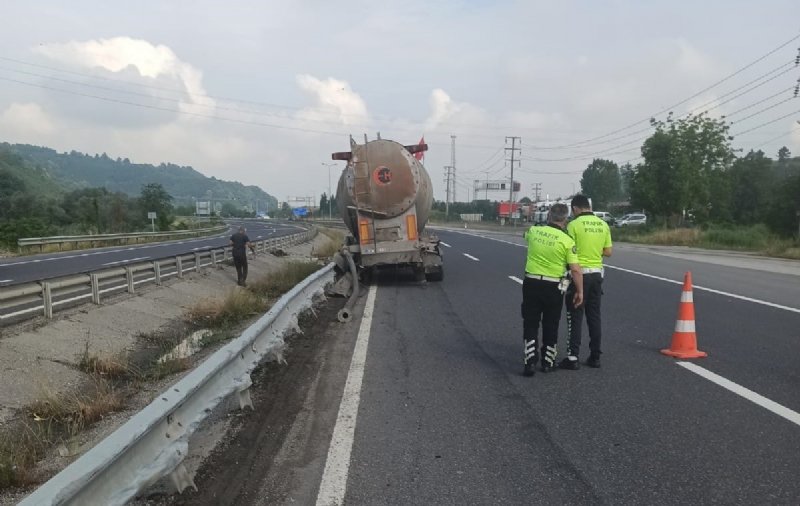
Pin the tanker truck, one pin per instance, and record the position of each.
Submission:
(385, 197)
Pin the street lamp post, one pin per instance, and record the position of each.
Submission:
(330, 196)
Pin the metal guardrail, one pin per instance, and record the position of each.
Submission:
(93, 240)
(155, 441)
(45, 297)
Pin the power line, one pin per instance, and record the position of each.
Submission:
(781, 136)
(176, 111)
(714, 85)
(767, 123)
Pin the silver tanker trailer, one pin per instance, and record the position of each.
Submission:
(385, 198)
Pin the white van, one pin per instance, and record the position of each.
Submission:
(604, 216)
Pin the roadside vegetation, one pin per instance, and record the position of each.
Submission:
(46, 193)
(334, 243)
(753, 238)
(55, 420)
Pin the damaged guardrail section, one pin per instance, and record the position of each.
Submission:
(154, 443)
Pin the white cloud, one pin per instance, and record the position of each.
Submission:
(334, 99)
(120, 53)
(25, 119)
(446, 112)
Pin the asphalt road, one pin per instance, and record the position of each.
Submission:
(444, 415)
(19, 270)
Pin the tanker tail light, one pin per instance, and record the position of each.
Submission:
(411, 225)
(363, 231)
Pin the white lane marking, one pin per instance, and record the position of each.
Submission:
(103, 252)
(718, 292)
(445, 244)
(126, 261)
(783, 411)
(334, 479)
(514, 278)
(6, 280)
(471, 257)
(711, 290)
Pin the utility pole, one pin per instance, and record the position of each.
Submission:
(449, 179)
(537, 190)
(330, 197)
(513, 149)
(453, 162)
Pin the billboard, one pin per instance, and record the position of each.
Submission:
(300, 211)
(203, 208)
(500, 185)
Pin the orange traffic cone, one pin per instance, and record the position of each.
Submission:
(684, 339)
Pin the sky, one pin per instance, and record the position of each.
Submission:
(263, 92)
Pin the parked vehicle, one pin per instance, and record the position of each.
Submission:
(632, 219)
(385, 198)
(607, 217)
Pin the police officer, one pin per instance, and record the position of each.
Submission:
(593, 240)
(550, 251)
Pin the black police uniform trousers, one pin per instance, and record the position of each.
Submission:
(592, 293)
(541, 302)
(240, 262)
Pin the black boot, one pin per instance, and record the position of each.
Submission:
(548, 359)
(593, 361)
(570, 363)
(531, 357)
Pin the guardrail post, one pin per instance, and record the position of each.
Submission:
(157, 271)
(129, 278)
(213, 258)
(95, 287)
(196, 261)
(47, 297)
(179, 266)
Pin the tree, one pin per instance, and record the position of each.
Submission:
(601, 182)
(684, 169)
(323, 204)
(784, 154)
(154, 198)
(751, 187)
(784, 212)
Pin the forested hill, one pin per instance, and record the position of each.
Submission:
(75, 170)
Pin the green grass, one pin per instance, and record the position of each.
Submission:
(754, 238)
(235, 307)
(276, 284)
(332, 245)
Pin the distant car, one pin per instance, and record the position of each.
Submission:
(604, 216)
(632, 219)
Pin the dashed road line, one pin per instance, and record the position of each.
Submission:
(6, 280)
(445, 244)
(660, 278)
(514, 278)
(333, 487)
(127, 261)
(778, 409)
(471, 257)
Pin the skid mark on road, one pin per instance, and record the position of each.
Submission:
(782, 411)
(337, 466)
